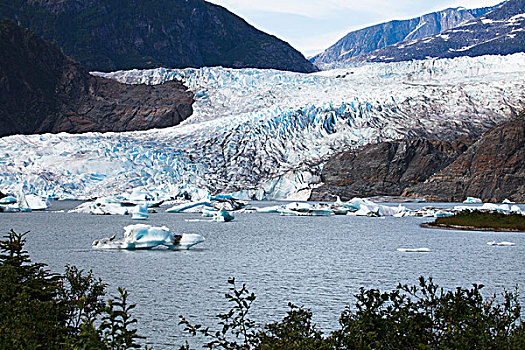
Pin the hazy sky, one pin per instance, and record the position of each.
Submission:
(313, 25)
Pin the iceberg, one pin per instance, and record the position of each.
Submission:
(22, 202)
(36, 202)
(209, 213)
(102, 206)
(140, 236)
(140, 212)
(8, 200)
(223, 216)
(501, 244)
(507, 201)
(189, 207)
(413, 250)
(473, 200)
(365, 207)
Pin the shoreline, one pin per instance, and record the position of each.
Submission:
(466, 228)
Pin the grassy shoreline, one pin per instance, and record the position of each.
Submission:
(480, 221)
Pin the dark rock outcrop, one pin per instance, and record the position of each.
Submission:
(109, 35)
(382, 35)
(41, 90)
(499, 32)
(385, 169)
(492, 169)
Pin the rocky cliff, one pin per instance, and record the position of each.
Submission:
(109, 35)
(382, 35)
(41, 90)
(385, 169)
(492, 169)
(499, 32)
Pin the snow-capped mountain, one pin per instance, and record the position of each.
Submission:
(381, 35)
(267, 133)
(499, 32)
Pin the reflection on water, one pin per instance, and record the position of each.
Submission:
(317, 262)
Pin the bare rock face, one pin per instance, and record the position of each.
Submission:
(385, 169)
(492, 169)
(42, 90)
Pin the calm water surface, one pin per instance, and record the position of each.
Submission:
(317, 262)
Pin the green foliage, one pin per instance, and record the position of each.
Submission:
(116, 322)
(31, 316)
(427, 317)
(295, 331)
(42, 310)
(481, 219)
(235, 324)
(409, 317)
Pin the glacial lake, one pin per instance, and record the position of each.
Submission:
(316, 262)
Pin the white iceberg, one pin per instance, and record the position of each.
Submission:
(473, 200)
(140, 212)
(223, 216)
(508, 201)
(8, 200)
(413, 250)
(270, 209)
(102, 206)
(22, 202)
(142, 236)
(189, 207)
(209, 213)
(365, 207)
(502, 244)
(36, 202)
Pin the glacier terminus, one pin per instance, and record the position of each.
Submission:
(265, 134)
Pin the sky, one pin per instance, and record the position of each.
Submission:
(312, 26)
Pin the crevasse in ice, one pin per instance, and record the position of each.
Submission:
(265, 134)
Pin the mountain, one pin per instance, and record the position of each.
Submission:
(41, 90)
(109, 35)
(492, 169)
(498, 32)
(389, 33)
(386, 168)
(266, 134)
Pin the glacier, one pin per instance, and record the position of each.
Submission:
(265, 134)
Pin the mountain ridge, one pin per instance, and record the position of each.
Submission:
(388, 33)
(41, 90)
(498, 32)
(109, 35)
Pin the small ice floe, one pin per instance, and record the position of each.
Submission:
(508, 201)
(190, 207)
(413, 250)
(209, 213)
(142, 236)
(442, 214)
(365, 207)
(140, 212)
(501, 244)
(223, 216)
(270, 209)
(102, 206)
(338, 207)
(473, 200)
(8, 200)
(36, 202)
(305, 209)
